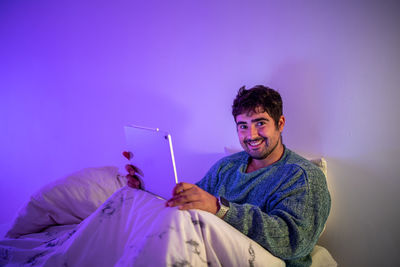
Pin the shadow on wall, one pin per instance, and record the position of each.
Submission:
(299, 84)
(358, 213)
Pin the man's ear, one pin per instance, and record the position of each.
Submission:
(281, 123)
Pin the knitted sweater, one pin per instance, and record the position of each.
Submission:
(283, 207)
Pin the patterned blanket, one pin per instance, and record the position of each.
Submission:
(134, 228)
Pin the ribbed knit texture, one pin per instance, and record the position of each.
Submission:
(283, 207)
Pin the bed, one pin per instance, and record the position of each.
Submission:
(91, 218)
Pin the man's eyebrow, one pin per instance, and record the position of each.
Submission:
(259, 119)
(254, 120)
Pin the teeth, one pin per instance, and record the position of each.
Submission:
(255, 143)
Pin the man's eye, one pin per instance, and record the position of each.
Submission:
(242, 127)
(260, 123)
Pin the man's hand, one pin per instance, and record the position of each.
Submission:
(189, 196)
(132, 178)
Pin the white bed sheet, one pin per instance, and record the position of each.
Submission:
(133, 228)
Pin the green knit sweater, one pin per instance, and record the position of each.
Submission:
(283, 207)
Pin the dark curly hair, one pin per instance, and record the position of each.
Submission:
(258, 99)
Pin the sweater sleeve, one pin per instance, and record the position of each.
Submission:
(295, 215)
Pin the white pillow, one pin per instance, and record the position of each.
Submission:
(67, 201)
(321, 163)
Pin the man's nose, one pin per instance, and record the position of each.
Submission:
(253, 133)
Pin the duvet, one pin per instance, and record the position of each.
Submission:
(92, 219)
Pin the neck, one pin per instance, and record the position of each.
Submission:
(276, 155)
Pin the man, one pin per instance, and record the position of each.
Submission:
(267, 192)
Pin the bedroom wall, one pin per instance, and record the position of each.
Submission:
(72, 74)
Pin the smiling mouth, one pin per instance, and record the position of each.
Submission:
(254, 143)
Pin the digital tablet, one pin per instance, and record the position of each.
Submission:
(153, 155)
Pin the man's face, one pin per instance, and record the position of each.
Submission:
(258, 133)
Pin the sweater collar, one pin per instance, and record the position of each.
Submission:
(282, 160)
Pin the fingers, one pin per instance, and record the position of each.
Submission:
(184, 197)
(181, 200)
(133, 181)
(131, 169)
(182, 193)
(181, 187)
(189, 196)
(190, 205)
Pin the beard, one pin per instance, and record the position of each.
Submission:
(262, 153)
